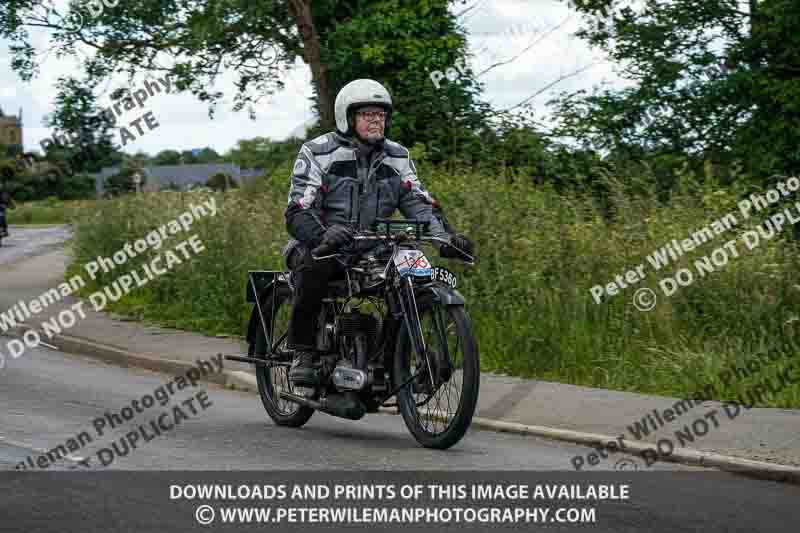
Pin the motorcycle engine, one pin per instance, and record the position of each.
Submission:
(359, 332)
(357, 324)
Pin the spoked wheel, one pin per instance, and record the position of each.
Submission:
(438, 405)
(274, 378)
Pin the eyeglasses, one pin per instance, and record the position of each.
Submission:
(372, 115)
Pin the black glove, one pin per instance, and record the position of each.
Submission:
(338, 236)
(459, 246)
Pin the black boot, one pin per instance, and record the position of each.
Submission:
(302, 372)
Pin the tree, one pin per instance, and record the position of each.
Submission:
(82, 140)
(195, 42)
(122, 182)
(167, 157)
(400, 43)
(257, 40)
(207, 155)
(262, 153)
(188, 158)
(221, 182)
(712, 78)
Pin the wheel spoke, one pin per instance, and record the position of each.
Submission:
(277, 376)
(441, 406)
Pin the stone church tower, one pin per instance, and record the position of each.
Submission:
(11, 129)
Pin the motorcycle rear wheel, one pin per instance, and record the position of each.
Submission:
(275, 377)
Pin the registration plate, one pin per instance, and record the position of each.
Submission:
(445, 276)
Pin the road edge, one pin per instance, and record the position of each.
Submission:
(244, 381)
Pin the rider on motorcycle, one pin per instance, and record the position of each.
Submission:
(5, 202)
(341, 182)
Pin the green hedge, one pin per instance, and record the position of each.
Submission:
(529, 295)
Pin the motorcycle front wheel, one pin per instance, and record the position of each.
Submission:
(438, 406)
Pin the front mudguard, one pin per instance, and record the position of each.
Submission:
(439, 294)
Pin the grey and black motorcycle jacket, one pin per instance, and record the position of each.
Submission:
(332, 185)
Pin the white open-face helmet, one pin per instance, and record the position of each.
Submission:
(360, 93)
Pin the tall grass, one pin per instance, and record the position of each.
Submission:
(529, 296)
(50, 211)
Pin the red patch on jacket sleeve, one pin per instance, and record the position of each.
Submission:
(323, 188)
(407, 185)
(436, 204)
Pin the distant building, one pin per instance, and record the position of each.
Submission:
(11, 129)
(183, 177)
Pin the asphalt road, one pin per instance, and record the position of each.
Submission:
(49, 397)
(24, 242)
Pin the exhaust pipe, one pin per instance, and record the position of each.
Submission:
(346, 405)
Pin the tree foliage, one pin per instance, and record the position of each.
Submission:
(400, 43)
(122, 182)
(81, 137)
(263, 153)
(717, 78)
(221, 182)
(193, 42)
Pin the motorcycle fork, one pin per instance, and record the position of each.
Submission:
(446, 361)
(408, 303)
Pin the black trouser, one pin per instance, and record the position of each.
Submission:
(310, 279)
(3, 225)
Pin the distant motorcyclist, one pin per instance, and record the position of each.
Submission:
(6, 202)
(341, 182)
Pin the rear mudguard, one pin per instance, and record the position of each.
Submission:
(265, 282)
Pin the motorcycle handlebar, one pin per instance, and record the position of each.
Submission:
(325, 250)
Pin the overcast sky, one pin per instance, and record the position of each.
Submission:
(499, 30)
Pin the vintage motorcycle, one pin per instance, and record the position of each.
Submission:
(395, 326)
